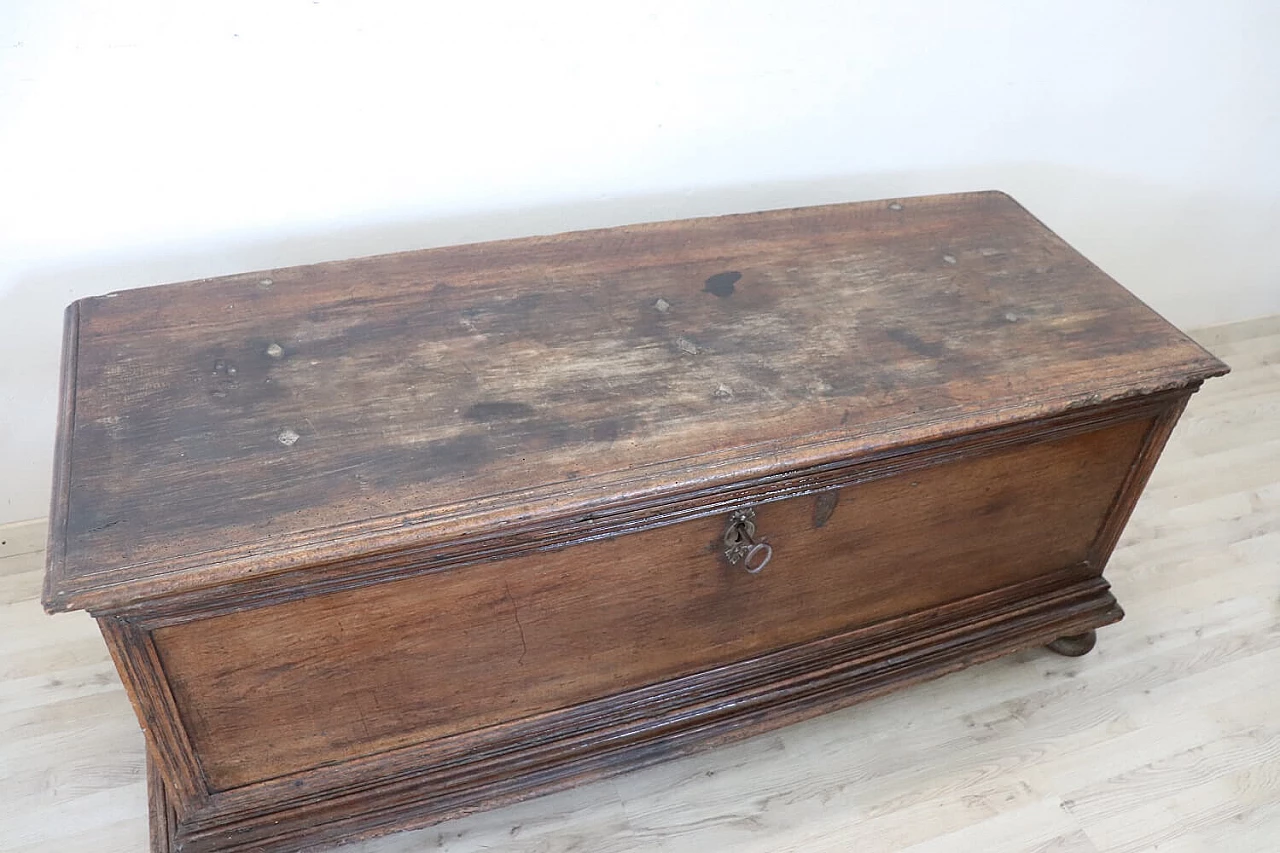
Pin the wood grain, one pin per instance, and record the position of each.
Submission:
(216, 432)
(551, 752)
(418, 659)
(1164, 735)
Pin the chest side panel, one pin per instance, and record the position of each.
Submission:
(280, 689)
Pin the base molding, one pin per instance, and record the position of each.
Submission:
(425, 784)
(162, 819)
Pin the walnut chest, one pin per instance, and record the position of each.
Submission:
(379, 542)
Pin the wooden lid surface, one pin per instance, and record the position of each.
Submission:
(232, 428)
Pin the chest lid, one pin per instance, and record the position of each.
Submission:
(247, 426)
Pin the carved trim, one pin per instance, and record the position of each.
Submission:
(56, 544)
(552, 534)
(429, 782)
(162, 819)
(148, 688)
(1136, 480)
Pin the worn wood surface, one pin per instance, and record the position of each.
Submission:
(1163, 737)
(231, 429)
(452, 776)
(1018, 511)
(443, 654)
(379, 543)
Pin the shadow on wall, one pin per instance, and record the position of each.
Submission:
(1200, 259)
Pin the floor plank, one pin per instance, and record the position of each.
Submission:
(23, 537)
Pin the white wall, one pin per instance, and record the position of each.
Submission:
(144, 142)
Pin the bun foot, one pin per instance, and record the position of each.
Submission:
(1074, 645)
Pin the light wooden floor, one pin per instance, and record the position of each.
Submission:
(1166, 738)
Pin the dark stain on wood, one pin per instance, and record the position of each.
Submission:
(823, 506)
(606, 430)
(722, 284)
(450, 456)
(915, 343)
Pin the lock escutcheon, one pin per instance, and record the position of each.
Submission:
(741, 545)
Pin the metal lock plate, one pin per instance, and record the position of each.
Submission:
(740, 544)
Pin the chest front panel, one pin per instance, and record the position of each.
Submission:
(276, 690)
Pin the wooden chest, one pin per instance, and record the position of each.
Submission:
(379, 542)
